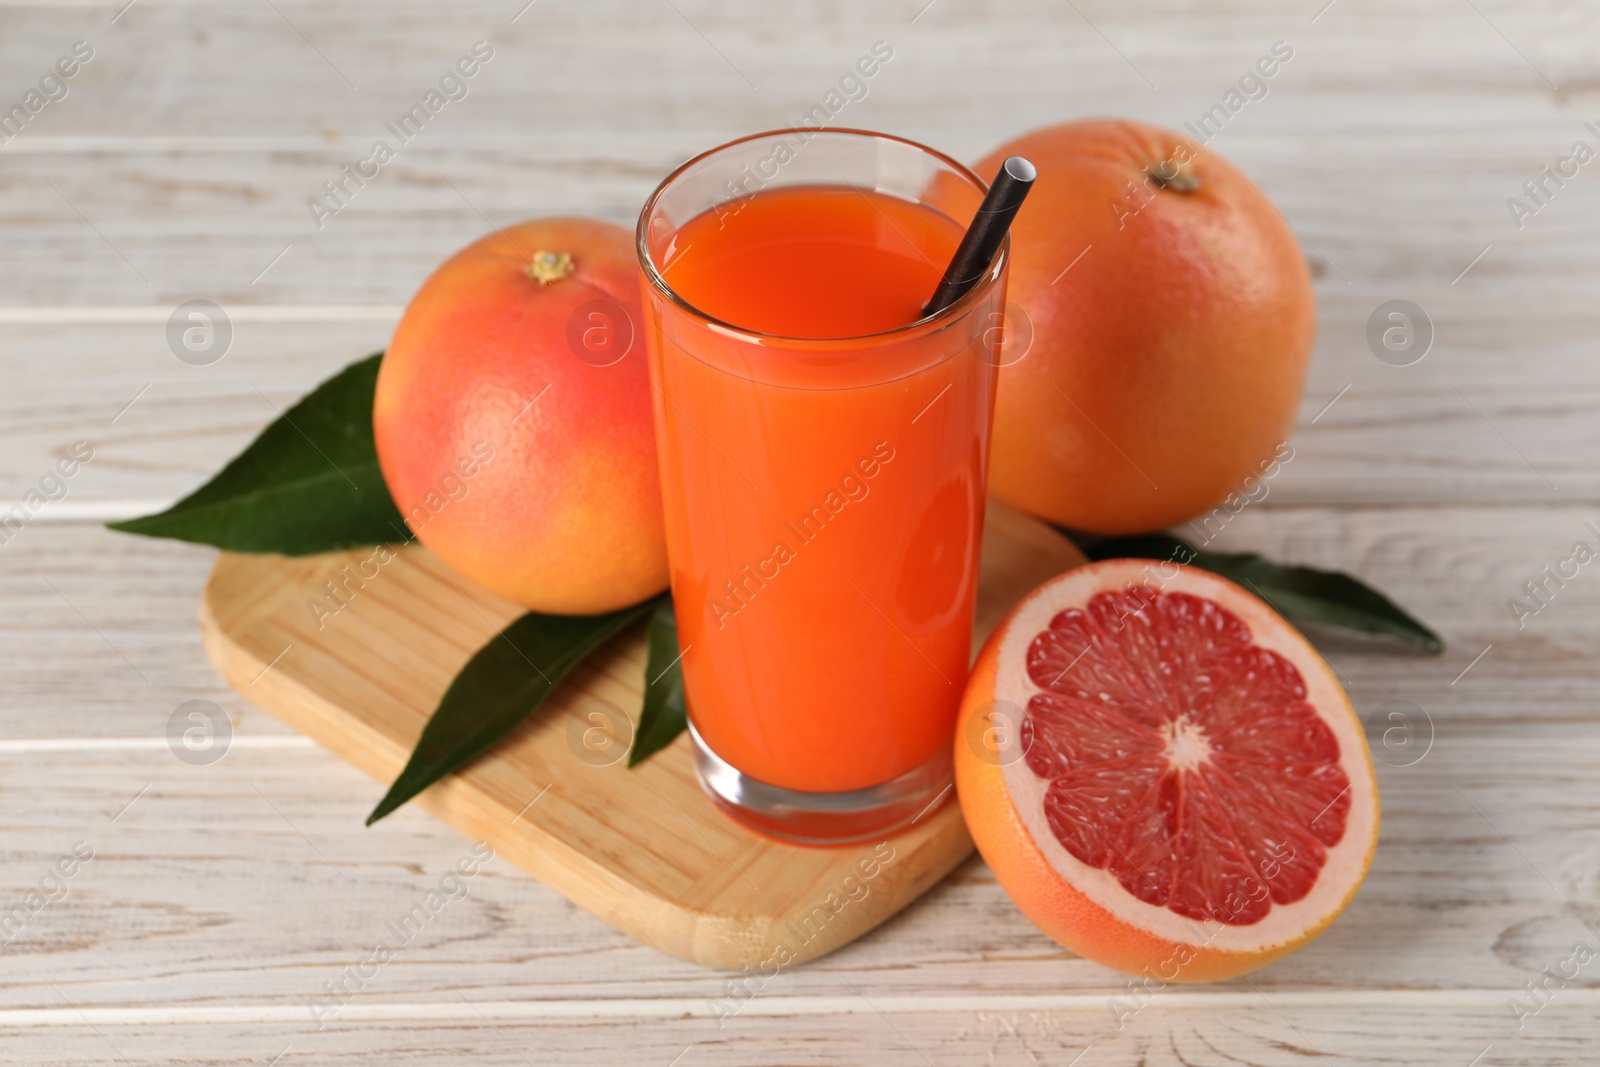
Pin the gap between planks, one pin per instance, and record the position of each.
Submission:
(777, 1006)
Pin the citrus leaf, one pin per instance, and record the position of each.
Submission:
(665, 714)
(503, 683)
(308, 483)
(1330, 597)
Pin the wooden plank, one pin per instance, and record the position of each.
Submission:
(251, 882)
(1161, 55)
(158, 427)
(1469, 426)
(204, 223)
(1258, 1033)
(1256, 1036)
(122, 612)
(1470, 115)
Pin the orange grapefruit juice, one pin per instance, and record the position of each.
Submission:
(823, 461)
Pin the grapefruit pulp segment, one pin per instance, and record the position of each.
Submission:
(1186, 771)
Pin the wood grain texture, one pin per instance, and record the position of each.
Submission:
(642, 848)
(178, 167)
(1465, 425)
(1260, 1032)
(120, 609)
(191, 143)
(221, 885)
(250, 883)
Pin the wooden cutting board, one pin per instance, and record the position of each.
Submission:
(642, 849)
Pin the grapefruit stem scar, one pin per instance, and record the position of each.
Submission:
(547, 267)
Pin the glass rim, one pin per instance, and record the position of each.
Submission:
(951, 312)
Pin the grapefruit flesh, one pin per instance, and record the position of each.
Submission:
(1166, 777)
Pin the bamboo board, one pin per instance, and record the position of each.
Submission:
(641, 849)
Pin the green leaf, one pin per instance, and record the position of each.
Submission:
(1330, 597)
(309, 483)
(502, 684)
(665, 714)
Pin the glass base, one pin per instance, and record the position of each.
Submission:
(824, 818)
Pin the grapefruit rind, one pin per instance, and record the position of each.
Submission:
(1085, 908)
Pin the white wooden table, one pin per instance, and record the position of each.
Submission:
(222, 898)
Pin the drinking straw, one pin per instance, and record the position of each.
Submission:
(983, 236)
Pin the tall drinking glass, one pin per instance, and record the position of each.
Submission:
(823, 451)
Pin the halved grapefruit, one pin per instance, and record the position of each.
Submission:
(1162, 774)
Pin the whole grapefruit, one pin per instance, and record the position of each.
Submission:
(1162, 774)
(512, 419)
(1172, 320)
